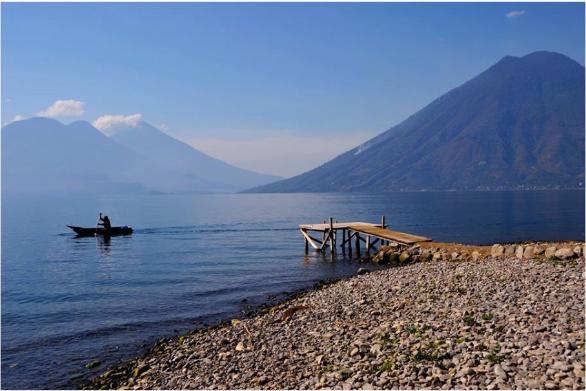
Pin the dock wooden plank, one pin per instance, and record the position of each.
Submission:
(385, 233)
(326, 226)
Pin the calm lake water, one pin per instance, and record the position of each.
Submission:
(197, 259)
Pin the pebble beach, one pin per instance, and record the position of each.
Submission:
(446, 316)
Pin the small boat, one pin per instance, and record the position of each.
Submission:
(114, 231)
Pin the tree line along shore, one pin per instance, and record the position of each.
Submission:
(449, 316)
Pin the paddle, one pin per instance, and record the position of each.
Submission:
(98, 223)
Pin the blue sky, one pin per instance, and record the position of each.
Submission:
(278, 88)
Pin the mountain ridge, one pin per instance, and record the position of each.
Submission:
(149, 141)
(519, 124)
(42, 156)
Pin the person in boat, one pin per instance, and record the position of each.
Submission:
(105, 222)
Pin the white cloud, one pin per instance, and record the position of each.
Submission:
(17, 117)
(284, 154)
(109, 123)
(515, 14)
(64, 108)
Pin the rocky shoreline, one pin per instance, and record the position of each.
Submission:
(451, 316)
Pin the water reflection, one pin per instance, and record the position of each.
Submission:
(104, 243)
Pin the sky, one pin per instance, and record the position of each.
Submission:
(276, 88)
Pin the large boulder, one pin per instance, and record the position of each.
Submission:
(475, 256)
(425, 255)
(578, 250)
(565, 253)
(404, 257)
(393, 258)
(538, 249)
(528, 253)
(509, 251)
(389, 247)
(550, 252)
(497, 251)
(381, 258)
(414, 250)
(519, 252)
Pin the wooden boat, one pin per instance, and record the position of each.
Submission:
(114, 231)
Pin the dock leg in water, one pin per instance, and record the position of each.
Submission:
(357, 244)
(332, 240)
(350, 243)
(367, 244)
(383, 224)
(306, 246)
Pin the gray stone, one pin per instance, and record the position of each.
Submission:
(499, 371)
(263, 379)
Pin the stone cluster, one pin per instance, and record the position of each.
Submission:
(397, 254)
(538, 250)
(500, 323)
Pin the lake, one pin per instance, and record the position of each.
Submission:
(197, 259)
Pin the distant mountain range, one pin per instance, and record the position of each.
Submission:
(517, 125)
(42, 156)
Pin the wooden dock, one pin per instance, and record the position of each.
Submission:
(358, 232)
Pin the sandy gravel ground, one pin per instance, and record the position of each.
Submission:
(494, 323)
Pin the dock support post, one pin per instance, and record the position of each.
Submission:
(357, 235)
(383, 224)
(367, 244)
(350, 243)
(343, 242)
(335, 231)
(306, 245)
(332, 240)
